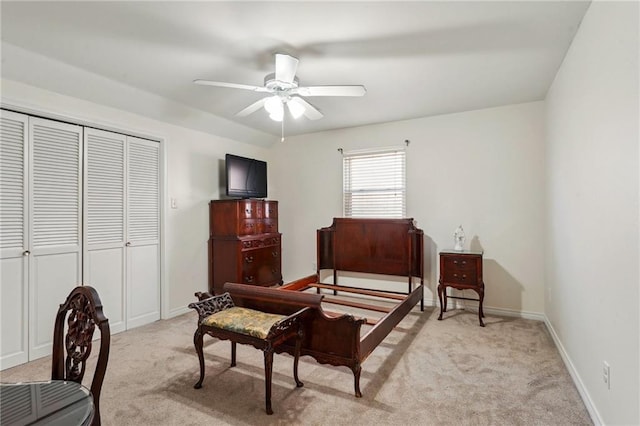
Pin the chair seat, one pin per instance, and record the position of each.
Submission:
(244, 321)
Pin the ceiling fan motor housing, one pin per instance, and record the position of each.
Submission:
(277, 86)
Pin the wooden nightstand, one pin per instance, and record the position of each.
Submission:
(461, 270)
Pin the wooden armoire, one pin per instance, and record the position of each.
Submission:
(244, 243)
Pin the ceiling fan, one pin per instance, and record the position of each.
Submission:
(284, 90)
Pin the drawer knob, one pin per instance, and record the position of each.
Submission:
(248, 279)
(274, 253)
(248, 259)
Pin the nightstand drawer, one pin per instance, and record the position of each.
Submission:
(462, 269)
(468, 277)
(460, 264)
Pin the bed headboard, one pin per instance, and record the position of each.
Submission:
(377, 246)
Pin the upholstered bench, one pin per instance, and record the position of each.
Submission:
(218, 316)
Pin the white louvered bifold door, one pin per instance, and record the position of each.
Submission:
(14, 305)
(143, 231)
(104, 222)
(55, 183)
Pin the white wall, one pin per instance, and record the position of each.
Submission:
(482, 169)
(593, 215)
(193, 161)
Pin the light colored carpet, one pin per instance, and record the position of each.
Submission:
(426, 372)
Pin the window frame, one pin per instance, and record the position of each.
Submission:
(359, 169)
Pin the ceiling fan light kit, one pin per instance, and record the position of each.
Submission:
(296, 108)
(274, 107)
(283, 86)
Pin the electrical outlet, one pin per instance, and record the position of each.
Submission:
(606, 374)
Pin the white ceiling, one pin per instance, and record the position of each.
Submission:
(416, 59)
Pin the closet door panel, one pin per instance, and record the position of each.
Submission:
(104, 225)
(143, 231)
(143, 289)
(13, 239)
(104, 271)
(14, 312)
(55, 184)
(54, 275)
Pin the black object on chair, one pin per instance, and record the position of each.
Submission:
(83, 312)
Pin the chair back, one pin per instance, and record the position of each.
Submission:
(82, 312)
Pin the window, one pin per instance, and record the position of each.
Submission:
(374, 183)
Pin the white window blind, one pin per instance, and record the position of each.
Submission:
(374, 184)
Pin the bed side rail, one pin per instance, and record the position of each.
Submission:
(377, 334)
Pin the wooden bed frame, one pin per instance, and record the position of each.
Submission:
(378, 246)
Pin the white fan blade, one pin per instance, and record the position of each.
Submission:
(252, 108)
(231, 85)
(311, 112)
(330, 91)
(286, 67)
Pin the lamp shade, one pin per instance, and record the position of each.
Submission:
(296, 108)
(273, 105)
(277, 116)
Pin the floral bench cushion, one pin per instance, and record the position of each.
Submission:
(243, 321)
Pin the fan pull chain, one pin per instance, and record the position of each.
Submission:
(282, 130)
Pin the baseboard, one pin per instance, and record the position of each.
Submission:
(582, 390)
(456, 304)
(177, 312)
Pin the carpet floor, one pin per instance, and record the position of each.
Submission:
(426, 372)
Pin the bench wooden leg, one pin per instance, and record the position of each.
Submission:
(233, 354)
(268, 369)
(197, 341)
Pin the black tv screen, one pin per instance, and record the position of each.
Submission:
(246, 177)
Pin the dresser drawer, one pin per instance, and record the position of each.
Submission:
(270, 209)
(250, 209)
(254, 243)
(269, 226)
(261, 266)
(250, 227)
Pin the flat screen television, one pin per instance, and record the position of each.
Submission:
(246, 177)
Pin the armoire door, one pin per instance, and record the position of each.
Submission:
(14, 312)
(55, 222)
(104, 224)
(143, 231)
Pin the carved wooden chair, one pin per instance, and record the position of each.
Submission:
(82, 312)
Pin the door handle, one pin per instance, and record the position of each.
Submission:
(26, 253)
(128, 244)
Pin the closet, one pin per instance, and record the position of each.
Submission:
(77, 205)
